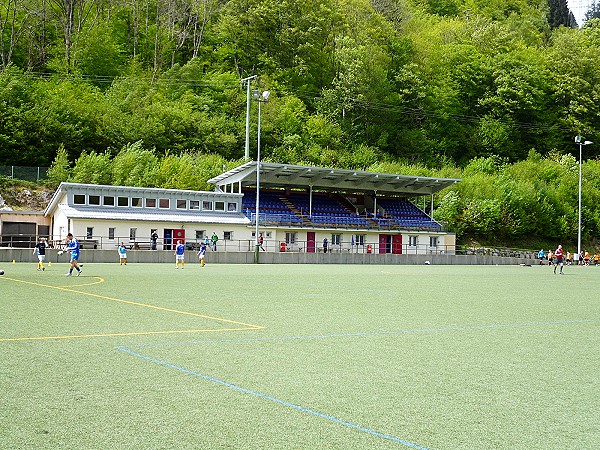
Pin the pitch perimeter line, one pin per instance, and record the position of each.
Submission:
(273, 399)
(247, 326)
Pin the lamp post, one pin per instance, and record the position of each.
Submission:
(260, 98)
(247, 146)
(581, 141)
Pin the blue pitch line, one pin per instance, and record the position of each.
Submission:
(273, 399)
(371, 333)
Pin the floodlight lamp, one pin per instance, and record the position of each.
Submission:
(578, 139)
(256, 94)
(265, 95)
(587, 143)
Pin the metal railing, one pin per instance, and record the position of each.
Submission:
(343, 222)
(270, 245)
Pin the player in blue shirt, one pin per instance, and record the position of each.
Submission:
(73, 247)
(202, 253)
(179, 254)
(122, 254)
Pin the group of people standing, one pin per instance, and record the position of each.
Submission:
(558, 258)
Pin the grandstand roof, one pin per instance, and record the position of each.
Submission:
(289, 176)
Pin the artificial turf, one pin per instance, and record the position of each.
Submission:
(299, 357)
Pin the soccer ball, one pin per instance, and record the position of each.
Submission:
(1, 272)
(60, 252)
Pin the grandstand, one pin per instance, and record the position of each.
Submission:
(327, 201)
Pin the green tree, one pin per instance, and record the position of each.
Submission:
(60, 168)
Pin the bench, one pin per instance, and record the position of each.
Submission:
(140, 245)
(88, 243)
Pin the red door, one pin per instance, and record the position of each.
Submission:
(397, 244)
(384, 240)
(310, 241)
(179, 235)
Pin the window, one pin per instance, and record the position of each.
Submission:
(93, 200)
(227, 235)
(207, 206)
(232, 207)
(111, 233)
(290, 238)
(412, 241)
(359, 239)
(132, 233)
(181, 204)
(336, 239)
(433, 241)
(79, 199)
(164, 203)
(219, 206)
(89, 232)
(109, 200)
(122, 201)
(136, 202)
(195, 205)
(200, 234)
(150, 203)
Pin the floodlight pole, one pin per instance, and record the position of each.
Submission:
(247, 146)
(260, 98)
(581, 141)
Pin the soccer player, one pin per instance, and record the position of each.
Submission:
(40, 250)
(122, 254)
(179, 254)
(202, 253)
(74, 248)
(541, 256)
(558, 254)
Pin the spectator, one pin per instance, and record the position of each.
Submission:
(154, 239)
(325, 245)
(214, 239)
(260, 241)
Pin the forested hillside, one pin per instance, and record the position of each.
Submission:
(438, 86)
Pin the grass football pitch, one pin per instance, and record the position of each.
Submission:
(144, 356)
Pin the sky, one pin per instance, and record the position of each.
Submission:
(579, 8)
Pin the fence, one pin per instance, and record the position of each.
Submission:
(24, 172)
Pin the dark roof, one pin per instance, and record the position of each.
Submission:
(290, 176)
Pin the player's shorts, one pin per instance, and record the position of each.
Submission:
(123, 255)
(41, 258)
(74, 256)
(559, 260)
(179, 257)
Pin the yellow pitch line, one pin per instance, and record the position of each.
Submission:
(128, 302)
(100, 280)
(133, 333)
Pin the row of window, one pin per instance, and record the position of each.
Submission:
(161, 203)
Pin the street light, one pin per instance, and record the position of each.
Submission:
(260, 98)
(581, 141)
(247, 146)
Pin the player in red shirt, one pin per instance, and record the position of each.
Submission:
(558, 254)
